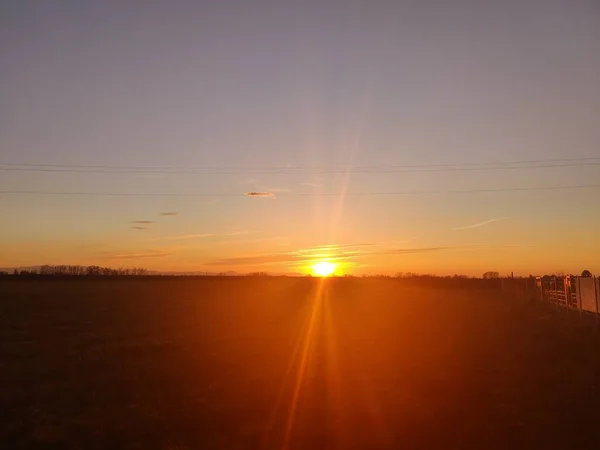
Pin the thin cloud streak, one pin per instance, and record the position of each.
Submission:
(259, 194)
(272, 258)
(341, 247)
(256, 259)
(301, 256)
(304, 256)
(168, 214)
(331, 248)
(237, 233)
(149, 254)
(203, 235)
(189, 236)
(407, 251)
(142, 222)
(481, 224)
(139, 228)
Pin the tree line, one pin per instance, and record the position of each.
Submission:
(78, 271)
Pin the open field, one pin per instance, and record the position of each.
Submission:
(274, 363)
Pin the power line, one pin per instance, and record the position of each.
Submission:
(298, 171)
(136, 167)
(302, 194)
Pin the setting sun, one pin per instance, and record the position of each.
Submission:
(324, 268)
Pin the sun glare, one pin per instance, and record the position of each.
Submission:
(324, 268)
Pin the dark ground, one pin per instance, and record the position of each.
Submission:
(258, 363)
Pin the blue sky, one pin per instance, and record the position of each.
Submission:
(300, 84)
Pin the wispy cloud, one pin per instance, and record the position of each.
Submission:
(143, 222)
(375, 246)
(391, 244)
(259, 194)
(332, 253)
(190, 236)
(168, 214)
(346, 253)
(272, 258)
(496, 246)
(310, 185)
(481, 224)
(405, 251)
(331, 248)
(237, 233)
(255, 259)
(139, 228)
(203, 235)
(136, 255)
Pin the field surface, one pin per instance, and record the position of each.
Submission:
(285, 363)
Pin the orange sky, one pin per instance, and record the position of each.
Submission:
(267, 242)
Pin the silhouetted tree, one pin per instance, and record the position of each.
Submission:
(89, 271)
(490, 275)
(586, 274)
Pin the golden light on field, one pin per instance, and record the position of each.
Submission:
(324, 268)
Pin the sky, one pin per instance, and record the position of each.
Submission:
(389, 136)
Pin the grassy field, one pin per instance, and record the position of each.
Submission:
(272, 363)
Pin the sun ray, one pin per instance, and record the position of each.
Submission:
(306, 350)
(333, 373)
(298, 346)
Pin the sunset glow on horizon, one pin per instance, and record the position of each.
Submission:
(324, 268)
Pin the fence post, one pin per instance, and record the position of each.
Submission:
(567, 291)
(596, 295)
(555, 291)
(542, 293)
(578, 296)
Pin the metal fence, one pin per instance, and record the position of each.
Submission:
(572, 293)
